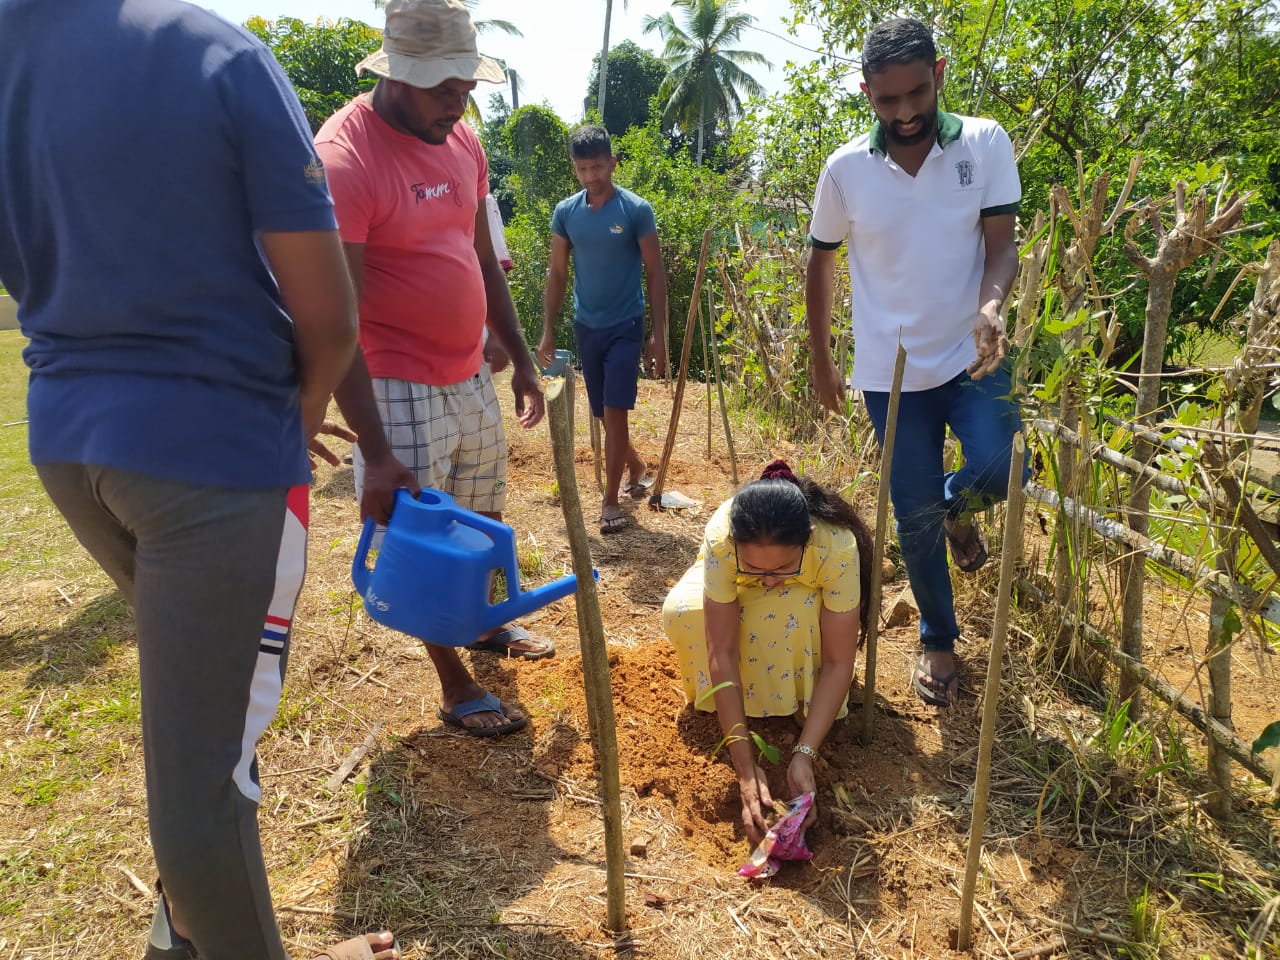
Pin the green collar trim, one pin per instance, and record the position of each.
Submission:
(949, 127)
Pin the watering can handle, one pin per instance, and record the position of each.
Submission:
(498, 532)
(360, 572)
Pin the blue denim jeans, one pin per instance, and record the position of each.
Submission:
(984, 419)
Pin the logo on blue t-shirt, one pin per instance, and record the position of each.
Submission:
(616, 229)
(313, 172)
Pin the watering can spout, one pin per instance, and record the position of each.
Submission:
(526, 601)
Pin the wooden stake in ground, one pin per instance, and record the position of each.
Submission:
(1009, 557)
(655, 499)
(724, 409)
(877, 554)
(595, 655)
(706, 376)
(597, 454)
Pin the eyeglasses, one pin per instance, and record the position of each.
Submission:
(761, 574)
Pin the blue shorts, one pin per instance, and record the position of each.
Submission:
(610, 358)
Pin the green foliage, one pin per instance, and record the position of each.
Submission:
(785, 139)
(634, 77)
(320, 59)
(537, 142)
(686, 200)
(497, 149)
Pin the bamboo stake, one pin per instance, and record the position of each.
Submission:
(877, 552)
(595, 654)
(655, 499)
(1237, 749)
(1009, 558)
(724, 409)
(596, 454)
(706, 376)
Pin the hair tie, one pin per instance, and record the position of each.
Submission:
(779, 470)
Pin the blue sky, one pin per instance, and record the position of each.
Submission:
(553, 58)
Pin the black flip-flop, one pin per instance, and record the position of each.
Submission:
(638, 491)
(615, 524)
(959, 546)
(923, 691)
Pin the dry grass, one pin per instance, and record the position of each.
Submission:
(471, 849)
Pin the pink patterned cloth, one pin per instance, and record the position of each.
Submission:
(784, 841)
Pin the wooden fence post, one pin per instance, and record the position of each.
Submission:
(1009, 558)
(871, 641)
(595, 654)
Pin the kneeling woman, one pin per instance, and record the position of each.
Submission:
(770, 618)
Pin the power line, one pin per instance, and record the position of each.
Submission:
(794, 43)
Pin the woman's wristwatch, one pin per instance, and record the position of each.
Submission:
(807, 750)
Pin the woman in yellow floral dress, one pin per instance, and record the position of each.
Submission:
(769, 617)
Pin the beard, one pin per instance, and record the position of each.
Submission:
(928, 128)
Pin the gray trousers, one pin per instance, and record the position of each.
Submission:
(213, 575)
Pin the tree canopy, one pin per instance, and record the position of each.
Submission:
(320, 59)
(633, 78)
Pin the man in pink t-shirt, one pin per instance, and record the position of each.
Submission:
(408, 182)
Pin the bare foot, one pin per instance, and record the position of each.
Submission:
(381, 946)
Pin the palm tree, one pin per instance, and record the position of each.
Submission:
(707, 79)
(604, 55)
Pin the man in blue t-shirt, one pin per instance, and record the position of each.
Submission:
(611, 232)
(167, 233)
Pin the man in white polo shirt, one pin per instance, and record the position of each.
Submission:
(927, 201)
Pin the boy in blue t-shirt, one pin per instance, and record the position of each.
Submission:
(611, 233)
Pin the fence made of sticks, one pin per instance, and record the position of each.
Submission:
(1129, 484)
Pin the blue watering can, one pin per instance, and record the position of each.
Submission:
(431, 577)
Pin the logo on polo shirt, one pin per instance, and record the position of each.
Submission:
(313, 172)
(616, 229)
(964, 170)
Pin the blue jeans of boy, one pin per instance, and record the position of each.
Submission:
(984, 419)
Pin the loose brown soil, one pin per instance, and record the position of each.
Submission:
(495, 848)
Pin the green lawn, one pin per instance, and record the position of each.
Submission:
(34, 541)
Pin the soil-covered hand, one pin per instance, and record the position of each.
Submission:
(992, 342)
(828, 383)
(800, 780)
(757, 803)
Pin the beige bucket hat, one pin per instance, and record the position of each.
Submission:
(427, 42)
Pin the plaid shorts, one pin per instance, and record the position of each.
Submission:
(450, 437)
